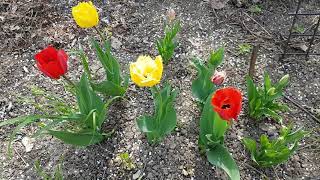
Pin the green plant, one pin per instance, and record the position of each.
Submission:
(298, 28)
(126, 161)
(115, 84)
(215, 121)
(255, 9)
(262, 100)
(244, 49)
(277, 151)
(47, 102)
(202, 86)
(82, 128)
(167, 45)
(164, 119)
(57, 175)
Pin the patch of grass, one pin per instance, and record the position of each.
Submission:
(298, 28)
(126, 161)
(244, 49)
(255, 9)
(57, 174)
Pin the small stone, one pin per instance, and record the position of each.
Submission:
(115, 43)
(27, 143)
(25, 69)
(136, 175)
(184, 172)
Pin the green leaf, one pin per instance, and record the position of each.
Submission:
(57, 120)
(206, 121)
(20, 119)
(88, 100)
(84, 61)
(267, 82)
(272, 114)
(40, 170)
(284, 81)
(103, 58)
(146, 124)
(85, 138)
(202, 85)
(250, 144)
(264, 141)
(252, 93)
(115, 64)
(216, 57)
(164, 119)
(220, 157)
(169, 117)
(23, 121)
(109, 88)
(167, 44)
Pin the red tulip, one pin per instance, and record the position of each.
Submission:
(52, 62)
(227, 103)
(218, 77)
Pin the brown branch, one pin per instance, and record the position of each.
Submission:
(302, 108)
(253, 60)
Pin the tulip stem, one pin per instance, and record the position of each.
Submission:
(100, 34)
(69, 81)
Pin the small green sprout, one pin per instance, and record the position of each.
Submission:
(244, 49)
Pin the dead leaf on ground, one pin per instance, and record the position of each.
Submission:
(218, 4)
(300, 46)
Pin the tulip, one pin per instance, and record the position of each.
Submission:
(218, 77)
(227, 103)
(146, 72)
(171, 14)
(52, 62)
(284, 80)
(85, 14)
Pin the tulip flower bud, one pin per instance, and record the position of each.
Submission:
(271, 91)
(218, 77)
(284, 80)
(171, 14)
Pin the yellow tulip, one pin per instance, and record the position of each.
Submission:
(146, 72)
(85, 14)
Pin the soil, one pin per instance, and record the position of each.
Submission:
(28, 26)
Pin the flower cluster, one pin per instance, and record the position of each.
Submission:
(83, 125)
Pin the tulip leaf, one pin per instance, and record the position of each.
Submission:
(109, 88)
(103, 59)
(220, 157)
(167, 44)
(23, 121)
(216, 57)
(84, 61)
(206, 121)
(88, 100)
(146, 124)
(79, 138)
(114, 63)
(169, 116)
(164, 119)
(202, 85)
(267, 82)
(275, 151)
(262, 100)
(114, 85)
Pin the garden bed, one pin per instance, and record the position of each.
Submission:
(30, 26)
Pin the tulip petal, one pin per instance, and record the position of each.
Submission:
(85, 14)
(227, 103)
(146, 72)
(63, 58)
(52, 62)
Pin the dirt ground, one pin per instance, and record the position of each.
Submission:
(28, 26)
